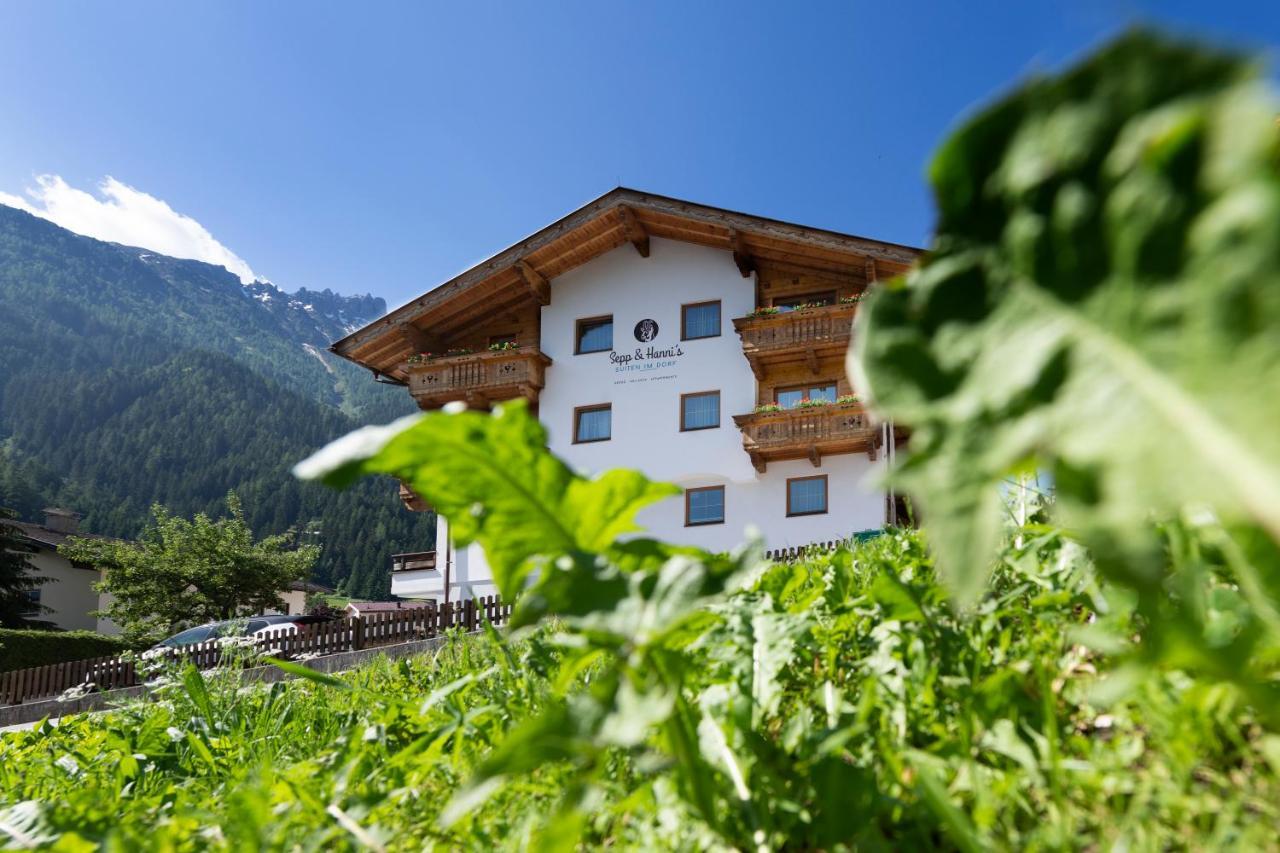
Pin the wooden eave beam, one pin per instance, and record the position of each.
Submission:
(870, 269)
(417, 339)
(636, 235)
(535, 281)
(746, 263)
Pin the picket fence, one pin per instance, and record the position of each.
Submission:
(382, 628)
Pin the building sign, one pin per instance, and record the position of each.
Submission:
(650, 362)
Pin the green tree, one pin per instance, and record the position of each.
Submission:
(16, 580)
(184, 572)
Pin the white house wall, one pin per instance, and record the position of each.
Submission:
(645, 395)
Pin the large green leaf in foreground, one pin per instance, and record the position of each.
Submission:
(490, 475)
(1102, 300)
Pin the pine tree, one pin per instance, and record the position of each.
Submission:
(17, 608)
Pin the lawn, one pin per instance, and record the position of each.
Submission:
(876, 716)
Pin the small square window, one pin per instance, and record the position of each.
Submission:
(592, 423)
(595, 335)
(699, 411)
(807, 495)
(789, 398)
(704, 506)
(700, 320)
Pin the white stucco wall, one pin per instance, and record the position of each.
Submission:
(67, 591)
(645, 396)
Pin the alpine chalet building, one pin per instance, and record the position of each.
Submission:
(704, 347)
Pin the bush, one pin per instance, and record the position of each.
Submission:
(23, 648)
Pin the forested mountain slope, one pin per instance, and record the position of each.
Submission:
(128, 377)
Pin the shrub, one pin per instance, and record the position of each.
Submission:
(20, 649)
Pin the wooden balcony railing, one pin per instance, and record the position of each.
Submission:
(809, 335)
(414, 561)
(479, 379)
(806, 433)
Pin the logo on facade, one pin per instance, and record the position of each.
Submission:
(646, 330)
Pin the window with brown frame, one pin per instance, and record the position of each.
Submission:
(790, 303)
(699, 411)
(807, 495)
(592, 423)
(789, 397)
(704, 505)
(594, 334)
(700, 320)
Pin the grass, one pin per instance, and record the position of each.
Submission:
(883, 719)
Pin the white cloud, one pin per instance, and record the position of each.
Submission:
(123, 214)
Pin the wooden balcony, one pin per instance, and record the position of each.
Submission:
(478, 379)
(807, 433)
(809, 336)
(417, 561)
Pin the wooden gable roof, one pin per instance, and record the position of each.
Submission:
(522, 273)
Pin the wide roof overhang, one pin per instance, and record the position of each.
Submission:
(522, 273)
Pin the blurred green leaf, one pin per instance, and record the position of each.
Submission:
(1102, 300)
(491, 476)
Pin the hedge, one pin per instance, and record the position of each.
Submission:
(23, 648)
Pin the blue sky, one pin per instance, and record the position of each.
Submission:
(384, 147)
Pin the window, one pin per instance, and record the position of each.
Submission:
(704, 506)
(700, 320)
(699, 411)
(789, 398)
(792, 302)
(190, 636)
(595, 335)
(807, 495)
(592, 423)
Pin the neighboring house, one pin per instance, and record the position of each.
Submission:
(702, 346)
(295, 597)
(67, 588)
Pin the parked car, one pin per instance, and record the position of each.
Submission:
(252, 626)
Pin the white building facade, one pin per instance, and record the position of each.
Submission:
(713, 361)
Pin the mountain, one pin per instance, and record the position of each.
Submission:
(128, 377)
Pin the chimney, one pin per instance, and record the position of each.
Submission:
(61, 520)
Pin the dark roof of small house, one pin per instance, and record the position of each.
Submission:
(42, 535)
(308, 586)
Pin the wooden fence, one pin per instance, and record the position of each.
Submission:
(795, 552)
(382, 628)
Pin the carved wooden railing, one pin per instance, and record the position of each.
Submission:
(829, 324)
(478, 378)
(806, 432)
